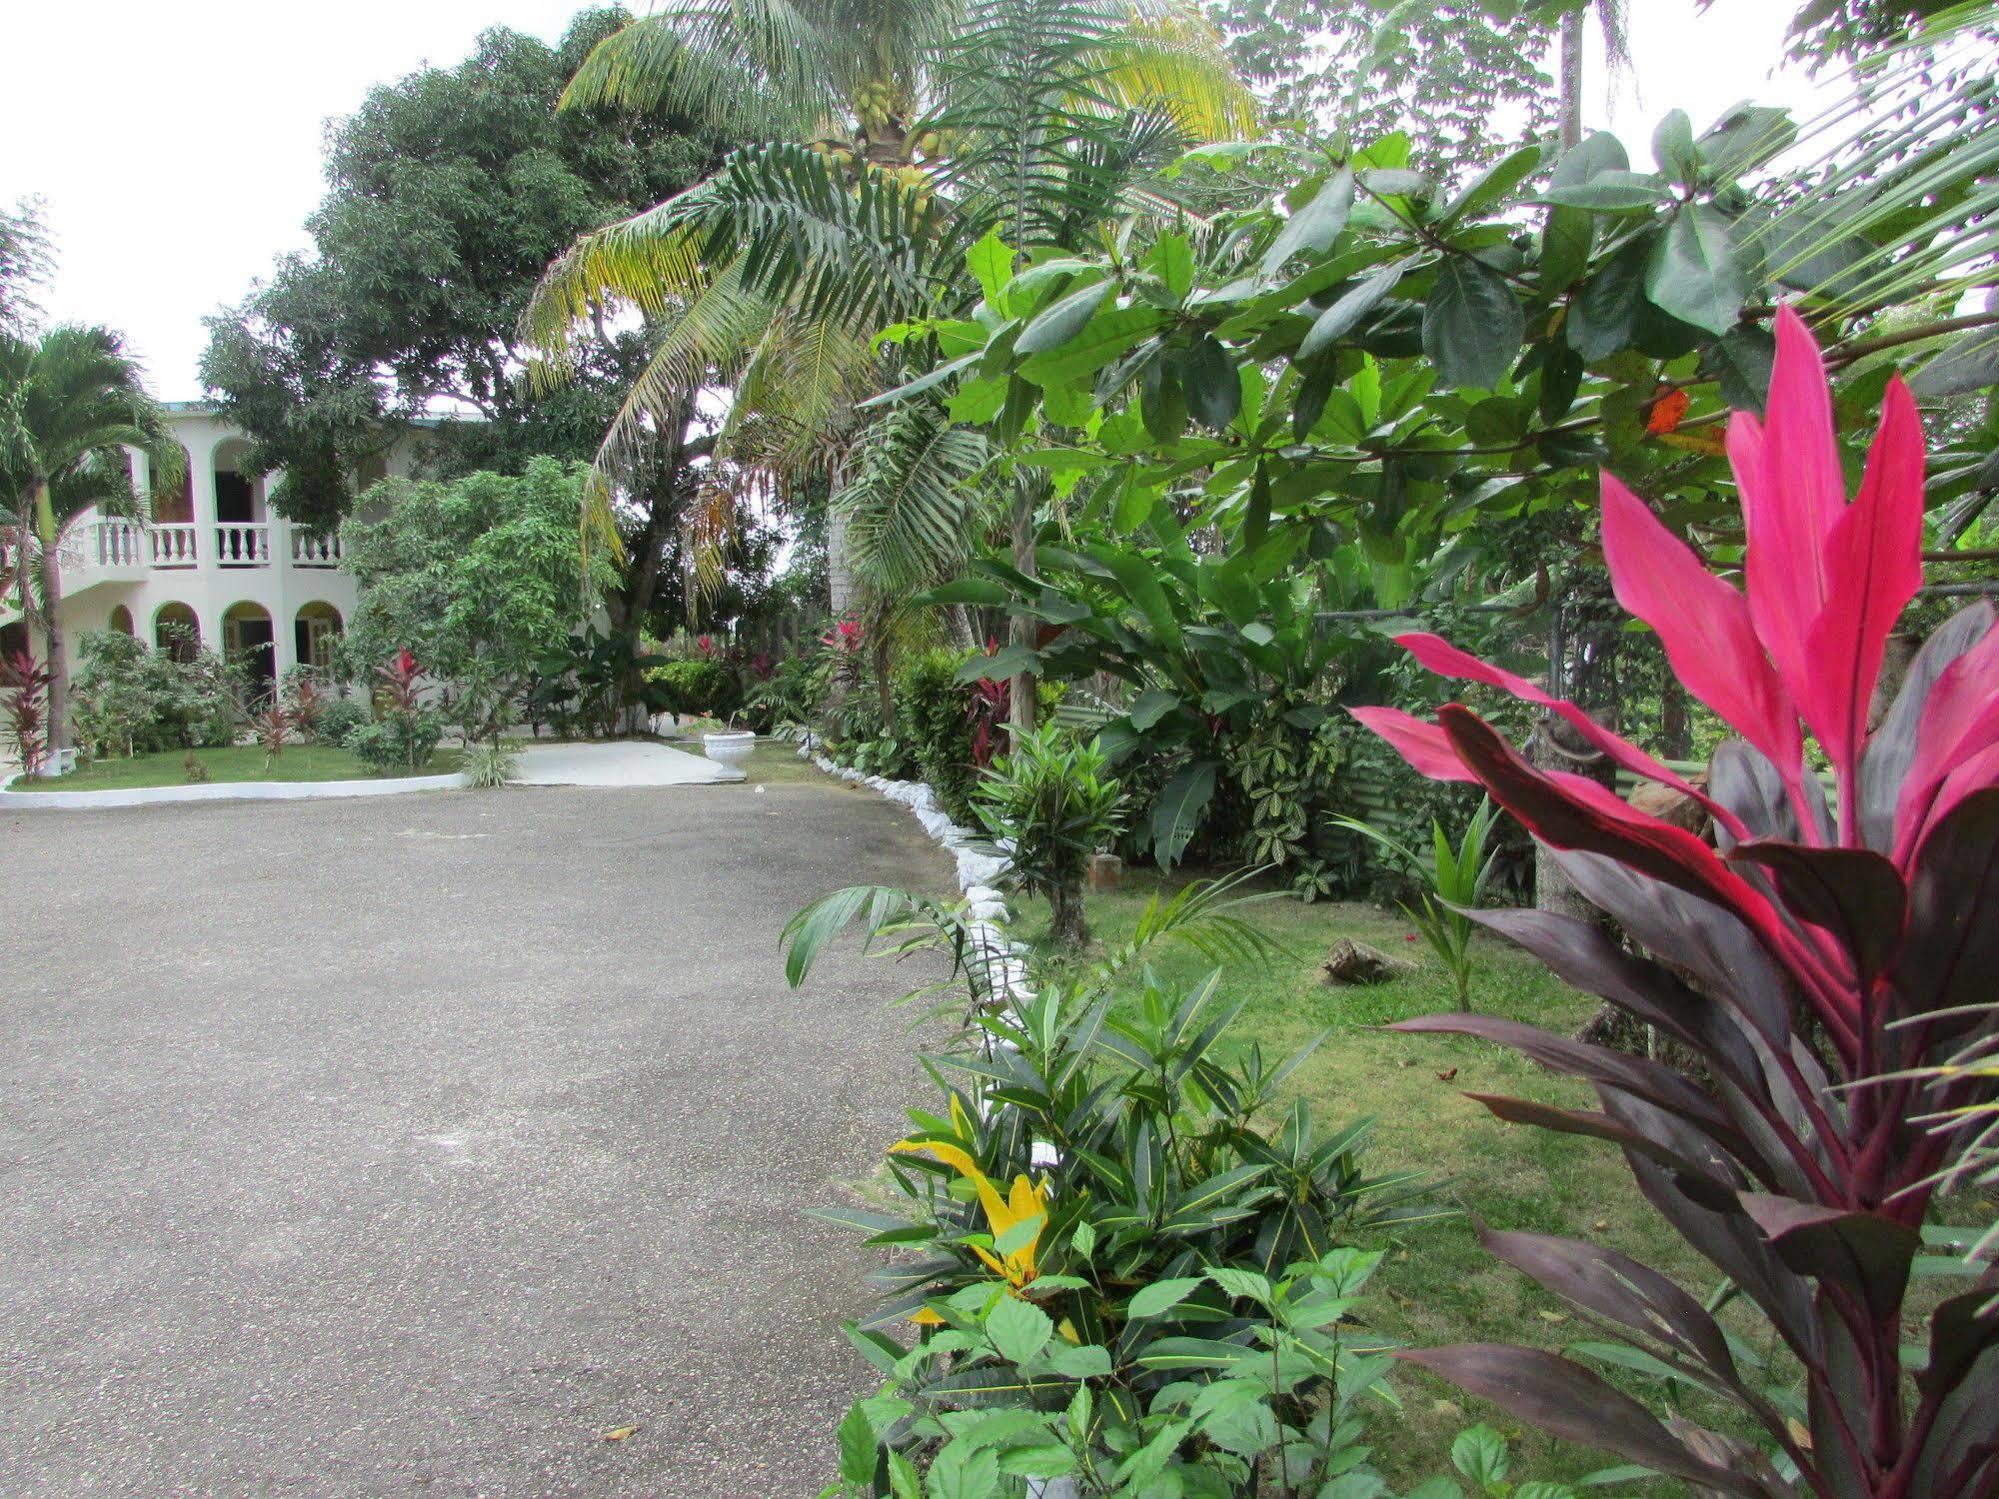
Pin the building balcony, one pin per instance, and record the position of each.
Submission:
(99, 550)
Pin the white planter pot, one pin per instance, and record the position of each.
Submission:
(730, 751)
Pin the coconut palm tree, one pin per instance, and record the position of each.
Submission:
(890, 137)
(1613, 21)
(71, 402)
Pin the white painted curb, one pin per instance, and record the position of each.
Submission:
(223, 791)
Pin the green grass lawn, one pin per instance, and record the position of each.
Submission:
(1437, 1284)
(299, 762)
(774, 763)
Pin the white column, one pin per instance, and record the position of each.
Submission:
(201, 448)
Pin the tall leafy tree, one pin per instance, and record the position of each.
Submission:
(71, 402)
(448, 193)
(24, 265)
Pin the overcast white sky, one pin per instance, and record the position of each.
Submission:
(165, 207)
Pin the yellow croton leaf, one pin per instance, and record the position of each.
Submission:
(1024, 1202)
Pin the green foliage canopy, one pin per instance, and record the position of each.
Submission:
(448, 194)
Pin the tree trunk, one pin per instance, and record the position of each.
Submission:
(1676, 729)
(1068, 927)
(839, 559)
(58, 730)
(1569, 78)
(1021, 713)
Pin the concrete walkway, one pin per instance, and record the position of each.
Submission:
(629, 762)
(407, 1146)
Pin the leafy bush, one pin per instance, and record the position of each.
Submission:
(400, 740)
(1816, 968)
(1101, 1241)
(933, 714)
(338, 720)
(272, 726)
(128, 698)
(1056, 803)
(696, 686)
(305, 702)
(404, 735)
(953, 727)
(789, 694)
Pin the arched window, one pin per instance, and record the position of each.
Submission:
(177, 631)
(315, 634)
(249, 641)
(120, 620)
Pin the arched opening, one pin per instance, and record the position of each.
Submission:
(249, 641)
(177, 631)
(120, 620)
(13, 638)
(176, 506)
(241, 537)
(316, 633)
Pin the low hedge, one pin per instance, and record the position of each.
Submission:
(696, 687)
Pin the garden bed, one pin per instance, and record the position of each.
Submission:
(237, 764)
(1437, 1284)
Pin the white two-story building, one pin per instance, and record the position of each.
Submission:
(213, 564)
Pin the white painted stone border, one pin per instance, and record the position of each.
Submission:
(256, 791)
(1003, 959)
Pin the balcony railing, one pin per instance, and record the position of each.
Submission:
(173, 545)
(243, 544)
(315, 549)
(96, 547)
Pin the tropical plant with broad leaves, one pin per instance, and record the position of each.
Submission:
(1053, 802)
(26, 683)
(1814, 963)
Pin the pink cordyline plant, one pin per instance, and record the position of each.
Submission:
(1820, 953)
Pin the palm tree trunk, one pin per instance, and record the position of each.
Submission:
(1021, 713)
(1569, 78)
(52, 651)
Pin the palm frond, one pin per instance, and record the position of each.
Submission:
(748, 69)
(911, 503)
(1901, 196)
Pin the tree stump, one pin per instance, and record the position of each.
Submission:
(1352, 962)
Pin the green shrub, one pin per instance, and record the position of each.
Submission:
(1107, 1249)
(694, 687)
(129, 699)
(1057, 802)
(339, 719)
(936, 717)
(933, 717)
(403, 739)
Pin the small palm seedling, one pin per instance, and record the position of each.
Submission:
(1455, 877)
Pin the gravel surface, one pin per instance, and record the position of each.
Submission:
(409, 1146)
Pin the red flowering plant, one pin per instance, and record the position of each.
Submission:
(399, 677)
(26, 682)
(991, 706)
(1812, 961)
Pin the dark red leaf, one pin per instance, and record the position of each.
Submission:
(1614, 1286)
(1854, 894)
(1865, 1253)
(1575, 1404)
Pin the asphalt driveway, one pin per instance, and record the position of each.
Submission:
(410, 1145)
